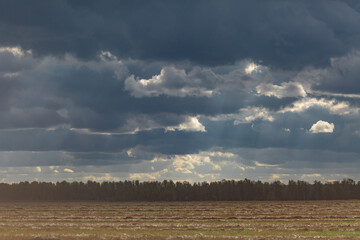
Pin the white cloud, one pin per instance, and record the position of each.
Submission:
(90, 132)
(147, 176)
(106, 55)
(68, 170)
(252, 67)
(159, 159)
(312, 175)
(286, 89)
(101, 178)
(222, 154)
(187, 163)
(252, 113)
(16, 51)
(334, 107)
(11, 74)
(258, 164)
(63, 112)
(246, 115)
(209, 176)
(324, 93)
(191, 124)
(322, 127)
(173, 82)
(279, 176)
(38, 169)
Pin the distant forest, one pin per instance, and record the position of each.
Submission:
(225, 190)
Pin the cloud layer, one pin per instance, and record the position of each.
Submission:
(183, 90)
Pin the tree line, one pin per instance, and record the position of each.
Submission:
(167, 190)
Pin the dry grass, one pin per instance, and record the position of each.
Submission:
(180, 220)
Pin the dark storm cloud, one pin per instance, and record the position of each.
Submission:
(279, 33)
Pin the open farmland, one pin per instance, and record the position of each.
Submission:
(180, 220)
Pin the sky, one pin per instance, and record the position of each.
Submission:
(185, 90)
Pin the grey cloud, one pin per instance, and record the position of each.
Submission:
(286, 89)
(297, 159)
(277, 156)
(103, 159)
(31, 158)
(175, 82)
(12, 64)
(341, 76)
(30, 118)
(62, 139)
(63, 158)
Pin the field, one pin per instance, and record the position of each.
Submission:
(180, 220)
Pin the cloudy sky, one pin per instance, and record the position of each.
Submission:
(184, 90)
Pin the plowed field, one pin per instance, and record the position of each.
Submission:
(180, 220)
